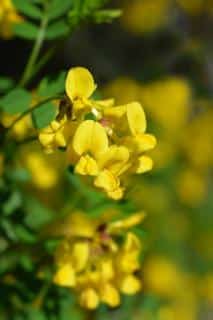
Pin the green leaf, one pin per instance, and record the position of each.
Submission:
(24, 235)
(101, 16)
(5, 84)
(13, 203)
(51, 87)
(37, 215)
(35, 314)
(57, 29)
(44, 115)
(59, 8)
(26, 30)
(16, 101)
(28, 8)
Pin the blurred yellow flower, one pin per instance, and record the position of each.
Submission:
(191, 186)
(43, 174)
(196, 7)
(98, 258)
(8, 17)
(145, 16)
(162, 277)
(197, 141)
(168, 102)
(52, 136)
(21, 129)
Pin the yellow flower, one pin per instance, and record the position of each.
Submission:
(102, 140)
(94, 261)
(191, 186)
(80, 86)
(21, 129)
(162, 277)
(145, 16)
(196, 7)
(8, 17)
(90, 140)
(171, 115)
(53, 136)
(43, 174)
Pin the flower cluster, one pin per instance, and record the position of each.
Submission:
(99, 259)
(102, 140)
(8, 17)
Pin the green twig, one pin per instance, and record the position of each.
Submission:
(35, 107)
(28, 71)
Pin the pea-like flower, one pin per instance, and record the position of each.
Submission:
(104, 141)
(99, 259)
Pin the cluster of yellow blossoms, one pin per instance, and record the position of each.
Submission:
(99, 258)
(8, 17)
(102, 140)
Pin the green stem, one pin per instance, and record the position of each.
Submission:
(36, 106)
(35, 51)
(44, 59)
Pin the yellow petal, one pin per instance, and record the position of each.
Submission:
(145, 164)
(107, 181)
(89, 299)
(114, 159)
(80, 255)
(60, 139)
(79, 83)
(130, 285)
(128, 262)
(107, 103)
(115, 112)
(45, 139)
(110, 295)
(87, 166)
(136, 118)
(90, 137)
(106, 269)
(116, 194)
(132, 242)
(145, 142)
(127, 223)
(79, 225)
(65, 276)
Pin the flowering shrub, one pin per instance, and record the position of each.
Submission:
(105, 119)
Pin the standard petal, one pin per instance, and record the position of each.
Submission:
(90, 137)
(79, 83)
(136, 118)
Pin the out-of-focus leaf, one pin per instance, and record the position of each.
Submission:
(5, 84)
(12, 203)
(26, 30)
(44, 115)
(51, 87)
(35, 314)
(16, 101)
(108, 15)
(58, 8)
(57, 29)
(24, 235)
(36, 214)
(28, 8)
